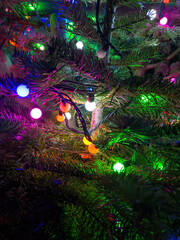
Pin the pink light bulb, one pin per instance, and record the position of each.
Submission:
(173, 80)
(163, 21)
(36, 113)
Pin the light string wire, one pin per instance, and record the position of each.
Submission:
(81, 119)
(105, 39)
(87, 133)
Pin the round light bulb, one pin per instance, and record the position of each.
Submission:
(118, 167)
(68, 115)
(90, 106)
(152, 14)
(101, 53)
(163, 21)
(85, 141)
(92, 149)
(42, 48)
(22, 90)
(60, 118)
(79, 45)
(173, 80)
(36, 113)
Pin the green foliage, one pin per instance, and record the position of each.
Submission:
(48, 189)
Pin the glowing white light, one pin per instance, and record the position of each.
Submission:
(79, 45)
(22, 90)
(68, 115)
(152, 14)
(163, 21)
(42, 48)
(101, 53)
(90, 106)
(118, 167)
(36, 113)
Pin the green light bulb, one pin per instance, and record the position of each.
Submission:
(118, 167)
(39, 46)
(31, 7)
(159, 166)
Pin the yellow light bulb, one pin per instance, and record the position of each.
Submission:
(85, 141)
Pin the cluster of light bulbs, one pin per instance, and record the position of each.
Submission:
(152, 14)
(91, 147)
(23, 91)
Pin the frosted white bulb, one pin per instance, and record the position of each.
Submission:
(22, 91)
(101, 53)
(163, 21)
(68, 115)
(152, 14)
(79, 45)
(90, 106)
(36, 113)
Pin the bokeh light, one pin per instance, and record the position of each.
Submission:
(85, 141)
(22, 90)
(90, 106)
(36, 113)
(79, 45)
(163, 21)
(118, 167)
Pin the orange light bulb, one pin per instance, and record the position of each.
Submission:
(92, 149)
(60, 118)
(165, 1)
(64, 107)
(85, 141)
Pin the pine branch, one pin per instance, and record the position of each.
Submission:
(75, 13)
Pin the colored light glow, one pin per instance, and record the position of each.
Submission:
(163, 21)
(13, 43)
(92, 149)
(118, 167)
(159, 165)
(86, 142)
(71, 26)
(31, 7)
(150, 99)
(42, 48)
(173, 80)
(152, 14)
(60, 118)
(22, 90)
(39, 46)
(79, 45)
(93, 19)
(36, 113)
(90, 106)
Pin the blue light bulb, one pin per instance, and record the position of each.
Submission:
(22, 90)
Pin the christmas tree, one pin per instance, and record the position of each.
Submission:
(89, 120)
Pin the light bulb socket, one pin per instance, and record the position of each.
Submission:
(91, 97)
(60, 113)
(105, 47)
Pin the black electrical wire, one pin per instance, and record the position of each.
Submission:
(63, 98)
(104, 38)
